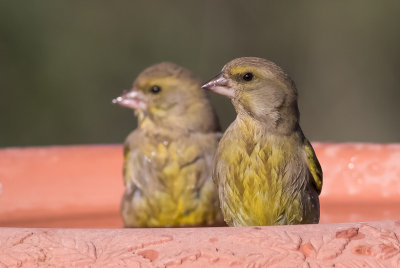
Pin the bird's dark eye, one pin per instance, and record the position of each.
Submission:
(155, 89)
(248, 77)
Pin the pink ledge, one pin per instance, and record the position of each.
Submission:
(81, 186)
(373, 244)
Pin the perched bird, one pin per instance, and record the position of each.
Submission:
(266, 169)
(168, 158)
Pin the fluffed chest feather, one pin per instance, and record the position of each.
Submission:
(259, 175)
(170, 181)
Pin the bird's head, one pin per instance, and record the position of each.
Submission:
(260, 89)
(168, 95)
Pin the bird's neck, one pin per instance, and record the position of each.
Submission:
(280, 125)
(281, 118)
(198, 117)
(160, 126)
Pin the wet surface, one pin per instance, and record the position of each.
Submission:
(330, 213)
(335, 213)
(99, 220)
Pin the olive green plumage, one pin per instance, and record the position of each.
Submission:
(168, 158)
(266, 169)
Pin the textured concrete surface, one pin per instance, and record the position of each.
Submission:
(374, 244)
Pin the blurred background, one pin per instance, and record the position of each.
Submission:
(62, 62)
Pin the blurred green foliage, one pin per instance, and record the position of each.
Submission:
(62, 62)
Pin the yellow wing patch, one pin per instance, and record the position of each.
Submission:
(125, 170)
(314, 166)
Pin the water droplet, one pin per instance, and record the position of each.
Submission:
(350, 165)
(165, 143)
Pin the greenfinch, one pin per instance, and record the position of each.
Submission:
(267, 171)
(168, 157)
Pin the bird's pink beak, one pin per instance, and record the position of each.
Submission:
(220, 85)
(132, 99)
